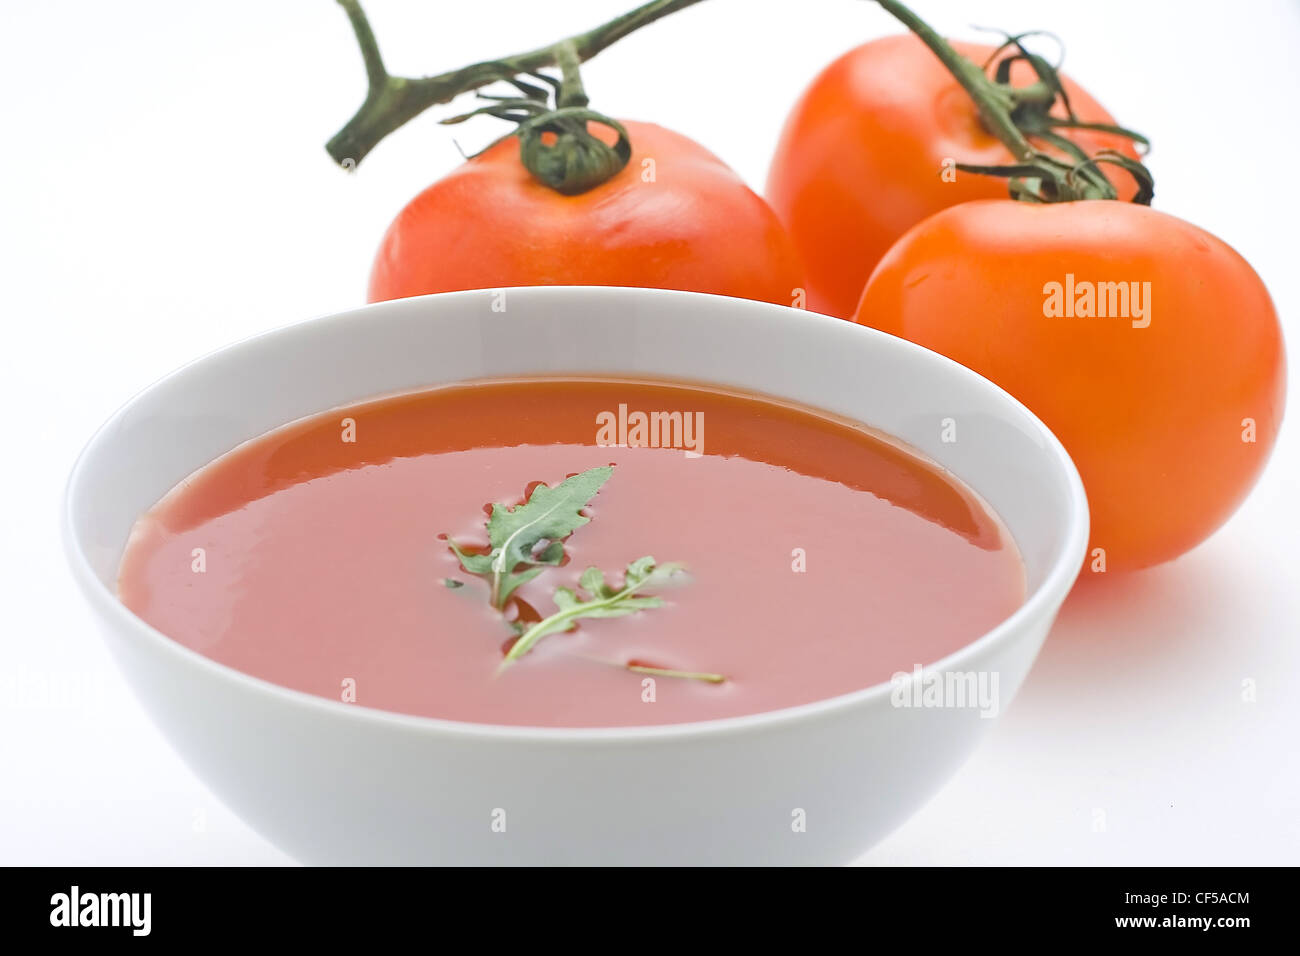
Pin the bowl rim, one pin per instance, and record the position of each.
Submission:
(1044, 599)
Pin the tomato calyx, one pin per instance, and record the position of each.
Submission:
(1022, 117)
(557, 145)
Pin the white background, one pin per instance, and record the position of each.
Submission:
(164, 191)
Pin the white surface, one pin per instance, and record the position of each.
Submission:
(344, 784)
(154, 151)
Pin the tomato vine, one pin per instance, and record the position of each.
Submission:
(558, 146)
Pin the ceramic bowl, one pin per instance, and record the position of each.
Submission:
(331, 782)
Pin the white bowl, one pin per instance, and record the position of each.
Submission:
(331, 782)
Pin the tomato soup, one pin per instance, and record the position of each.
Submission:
(811, 556)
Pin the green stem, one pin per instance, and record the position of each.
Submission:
(657, 671)
(552, 624)
(572, 92)
(1015, 114)
(665, 672)
(993, 105)
(376, 74)
(392, 101)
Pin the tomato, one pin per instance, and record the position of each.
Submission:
(1169, 403)
(862, 157)
(676, 217)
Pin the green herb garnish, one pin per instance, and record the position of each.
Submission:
(668, 672)
(638, 668)
(530, 536)
(605, 601)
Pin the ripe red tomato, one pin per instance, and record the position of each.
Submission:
(1168, 396)
(861, 159)
(676, 217)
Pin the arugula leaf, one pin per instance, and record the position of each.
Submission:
(530, 536)
(605, 601)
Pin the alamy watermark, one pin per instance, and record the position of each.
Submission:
(635, 429)
(1103, 300)
(956, 690)
(76, 908)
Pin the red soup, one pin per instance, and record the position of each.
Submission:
(429, 554)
